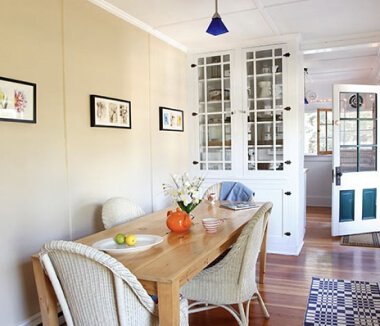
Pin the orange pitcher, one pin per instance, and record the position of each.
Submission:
(178, 221)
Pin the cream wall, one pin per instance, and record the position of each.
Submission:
(165, 92)
(56, 174)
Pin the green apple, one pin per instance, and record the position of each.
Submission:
(120, 238)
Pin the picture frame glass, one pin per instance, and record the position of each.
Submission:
(17, 100)
(110, 112)
(171, 119)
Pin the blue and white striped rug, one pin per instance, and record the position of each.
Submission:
(335, 302)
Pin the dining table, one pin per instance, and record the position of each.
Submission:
(164, 268)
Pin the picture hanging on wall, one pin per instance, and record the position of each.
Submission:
(110, 112)
(17, 100)
(171, 119)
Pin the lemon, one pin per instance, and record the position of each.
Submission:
(130, 240)
(120, 238)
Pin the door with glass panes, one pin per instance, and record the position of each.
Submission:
(356, 178)
(264, 137)
(214, 112)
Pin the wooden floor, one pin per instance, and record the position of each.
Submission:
(288, 278)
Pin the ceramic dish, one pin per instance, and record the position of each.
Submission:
(144, 241)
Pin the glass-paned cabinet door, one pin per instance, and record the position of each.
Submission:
(214, 110)
(264, 81)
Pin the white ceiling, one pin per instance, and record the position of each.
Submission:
(340, 38)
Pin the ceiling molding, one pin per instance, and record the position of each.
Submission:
(342, 44)
(138, 23)
(268, 19)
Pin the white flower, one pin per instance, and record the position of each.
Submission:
(185, 189)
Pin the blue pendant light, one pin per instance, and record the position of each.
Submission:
(216, 26)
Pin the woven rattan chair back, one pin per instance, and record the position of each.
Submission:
(93, 288)
(119, 210)
(233, 279)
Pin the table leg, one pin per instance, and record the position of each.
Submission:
(46, 295)
(168, 304)
(263, 255)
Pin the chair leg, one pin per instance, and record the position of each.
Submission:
(262, 304)
(243, 315)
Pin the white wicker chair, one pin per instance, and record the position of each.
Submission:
(119, 210)
(215, 188)
(233, 279)
(93, 288)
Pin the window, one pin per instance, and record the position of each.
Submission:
(324, 132)
(318, 132)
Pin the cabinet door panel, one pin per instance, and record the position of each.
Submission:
(275, 226)
(214, 112)
(264, 81)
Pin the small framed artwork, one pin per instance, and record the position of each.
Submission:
(110, 112)
(17, 100)
(171, 119)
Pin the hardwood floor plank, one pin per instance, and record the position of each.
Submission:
(288, 278)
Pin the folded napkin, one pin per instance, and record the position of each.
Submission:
(235, 191)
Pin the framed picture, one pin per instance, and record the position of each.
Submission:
(17, 100)
(171, 119)
(110, 112)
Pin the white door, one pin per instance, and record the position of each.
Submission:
(355, 160)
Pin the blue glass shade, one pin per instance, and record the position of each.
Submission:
(216, 27)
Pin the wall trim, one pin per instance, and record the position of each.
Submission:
(138, 23)
(36, 320)
(321, 201)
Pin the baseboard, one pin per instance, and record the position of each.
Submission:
(318, 201)
(36, 320)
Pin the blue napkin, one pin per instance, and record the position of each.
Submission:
(235, 191)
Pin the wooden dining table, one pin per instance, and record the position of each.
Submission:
(164, 268)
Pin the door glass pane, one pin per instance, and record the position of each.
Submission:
(265, 109)
(368, 107)
(215, 166)
(367, 160)
(214, 112)
(213, 59)
(228, 155)
(358, 129)
(348, 132)
(214, 135)
(348, 105)
(214, 155)
(367, 131)
(348, 159)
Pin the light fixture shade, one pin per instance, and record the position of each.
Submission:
(216, 26)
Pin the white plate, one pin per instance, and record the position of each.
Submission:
(144, 241)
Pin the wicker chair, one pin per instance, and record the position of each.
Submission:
(94, 289)
(233, 279)
(215, 188)
(119, 210)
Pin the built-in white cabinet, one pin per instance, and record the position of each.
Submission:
(245, 121)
